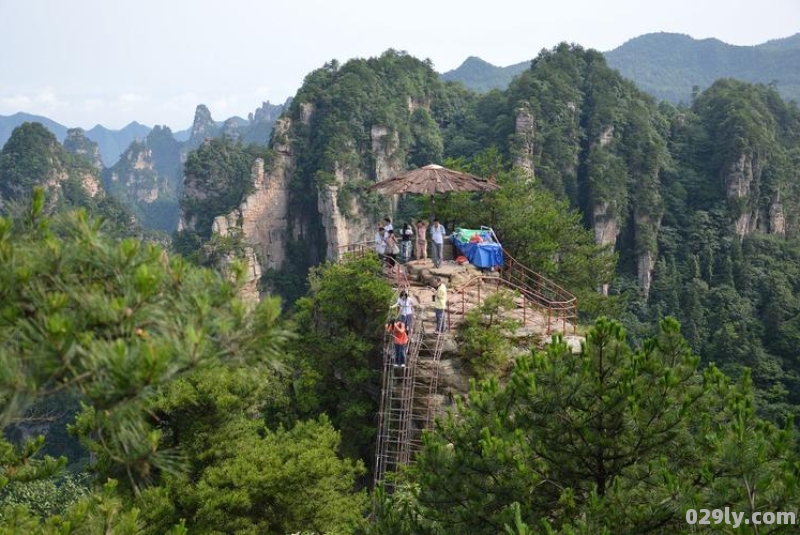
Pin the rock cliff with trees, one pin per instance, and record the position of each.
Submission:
(196, 411)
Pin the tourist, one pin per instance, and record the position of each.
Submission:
(406, 303)
(392, 248)
(406, 235)
(440, 305)
(421, 249)
(437, 237)
(398, 331)
(380, 243)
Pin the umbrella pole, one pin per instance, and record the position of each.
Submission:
(433, 210)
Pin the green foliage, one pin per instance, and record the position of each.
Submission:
(484, 335)
(101, 512)
(286, 481)
(674, 67)
(181, 387)
(44, 497)
(244, 470)
(610, 440)
(112, 322)
(217, 180)
(340, 324)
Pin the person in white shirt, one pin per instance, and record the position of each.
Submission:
(387, 226)
(406, 304)
(437, 237)
(406, 238)
(380, 244)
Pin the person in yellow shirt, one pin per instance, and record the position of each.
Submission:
(440, 304)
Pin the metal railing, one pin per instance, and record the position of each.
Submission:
(548, 317)
(393, 269)
(560, 305)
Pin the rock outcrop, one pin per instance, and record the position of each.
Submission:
(203, 127)
(262, 121)
(230, 129)
(742, 183)
(262, 218)
(523, 143)
(77, 143)
(148, 178)
(133, 178)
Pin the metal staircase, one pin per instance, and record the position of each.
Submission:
(401, 421)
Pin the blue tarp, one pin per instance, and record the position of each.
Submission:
(486, 254)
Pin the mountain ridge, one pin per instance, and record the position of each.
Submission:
(669, 65)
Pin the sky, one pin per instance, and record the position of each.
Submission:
(88, 62)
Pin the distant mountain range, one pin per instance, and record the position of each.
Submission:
(482, 76)
(113, 143)
(669, 66)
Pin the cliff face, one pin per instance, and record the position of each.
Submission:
(263, 218)
(32, 157)
(593, 138)
(203, 127)
(342, 216)
(743, 181)
(148, 178)
(134, 177)
(267, 220)
(77, 143)
(523, 143)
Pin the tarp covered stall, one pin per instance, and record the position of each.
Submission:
(479, 246)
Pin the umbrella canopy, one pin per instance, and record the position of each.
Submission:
(432, 179)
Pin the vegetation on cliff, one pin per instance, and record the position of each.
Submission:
(181, 393)
(33, 157)
(615, 439)
(218, 178)
(196, 414)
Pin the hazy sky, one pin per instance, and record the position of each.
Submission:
(84, 62)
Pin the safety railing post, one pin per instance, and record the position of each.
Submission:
(524, 311)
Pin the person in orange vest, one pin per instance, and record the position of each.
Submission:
(398, 330)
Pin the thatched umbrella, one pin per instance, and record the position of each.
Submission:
(430, 180)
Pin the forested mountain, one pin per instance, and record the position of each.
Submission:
(699, 203)
(148, 179)
(677, 227)
(670, 66)
(148, 176)
(111, 142)
(32, 157)
(482, 76)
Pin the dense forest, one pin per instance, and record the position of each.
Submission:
(140, 394)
